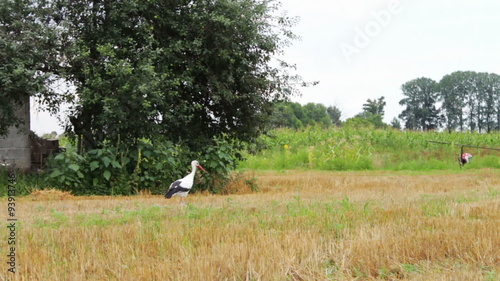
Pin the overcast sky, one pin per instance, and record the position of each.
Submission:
(365, 49)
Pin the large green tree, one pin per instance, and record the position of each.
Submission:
(421, 96)
(470, 101)
(452, 95)
(186, 70)
(487, 96)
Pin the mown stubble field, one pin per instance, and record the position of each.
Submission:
(301, 225)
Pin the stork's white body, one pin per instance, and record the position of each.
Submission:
(183, 185)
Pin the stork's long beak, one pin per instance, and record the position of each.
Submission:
(199, 166)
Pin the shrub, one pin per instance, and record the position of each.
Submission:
(116, 170)
(219, 159)
(147, 167)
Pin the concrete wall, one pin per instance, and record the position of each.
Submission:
(15, 149)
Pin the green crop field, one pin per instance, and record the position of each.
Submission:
(363, 149)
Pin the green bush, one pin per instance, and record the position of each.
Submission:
(97, 172)
(154, 166)
(148, 166)
(115, 171)
(219, 159)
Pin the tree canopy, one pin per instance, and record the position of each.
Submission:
(462, 100)
(296, 116)
(420, 100)
(471, 100)
(186, 70)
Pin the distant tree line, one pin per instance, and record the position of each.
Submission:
(296, 116)
(460, 101)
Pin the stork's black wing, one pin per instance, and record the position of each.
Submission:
(174, 188)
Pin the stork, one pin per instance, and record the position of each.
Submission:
(182, 187)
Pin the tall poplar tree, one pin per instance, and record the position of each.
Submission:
(420, 100)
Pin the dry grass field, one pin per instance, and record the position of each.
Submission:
(301, 225)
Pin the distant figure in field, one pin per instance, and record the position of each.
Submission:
(464, 158)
